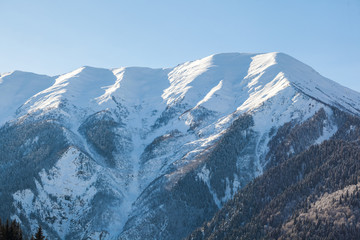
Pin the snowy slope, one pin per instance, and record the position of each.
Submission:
(307, 80)
(231, 79)
(16, 88)
(144, 133)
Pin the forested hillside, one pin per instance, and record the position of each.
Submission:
(314, 195)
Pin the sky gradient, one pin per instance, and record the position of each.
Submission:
(55, 37)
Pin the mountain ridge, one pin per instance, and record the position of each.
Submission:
(267, 61)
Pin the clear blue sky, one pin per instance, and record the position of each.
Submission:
(58, 36)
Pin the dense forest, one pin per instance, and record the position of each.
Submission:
(312, 196)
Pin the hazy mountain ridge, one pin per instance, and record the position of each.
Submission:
(156, 152)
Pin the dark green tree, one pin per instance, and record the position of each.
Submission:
(10, 231)
(39, 234)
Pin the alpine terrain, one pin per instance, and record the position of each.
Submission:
(141, 153)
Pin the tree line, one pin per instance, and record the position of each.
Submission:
(12, 231)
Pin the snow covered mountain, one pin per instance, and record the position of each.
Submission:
(140, 153)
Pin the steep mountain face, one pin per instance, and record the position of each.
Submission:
(139, 153)
(314, 194)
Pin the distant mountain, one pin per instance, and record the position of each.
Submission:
(140, 153)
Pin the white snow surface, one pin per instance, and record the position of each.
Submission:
(219, 82)
(66, 190)
(16, 88)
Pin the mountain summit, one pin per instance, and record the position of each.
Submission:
(141, 153)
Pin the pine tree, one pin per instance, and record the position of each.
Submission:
(1, 231)
(6, 230)
(39, 235)
(10, 231)
(15, 230)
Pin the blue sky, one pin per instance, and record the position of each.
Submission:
(53, 37)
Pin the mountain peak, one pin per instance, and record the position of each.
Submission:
(229, 78)
(308, 81)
